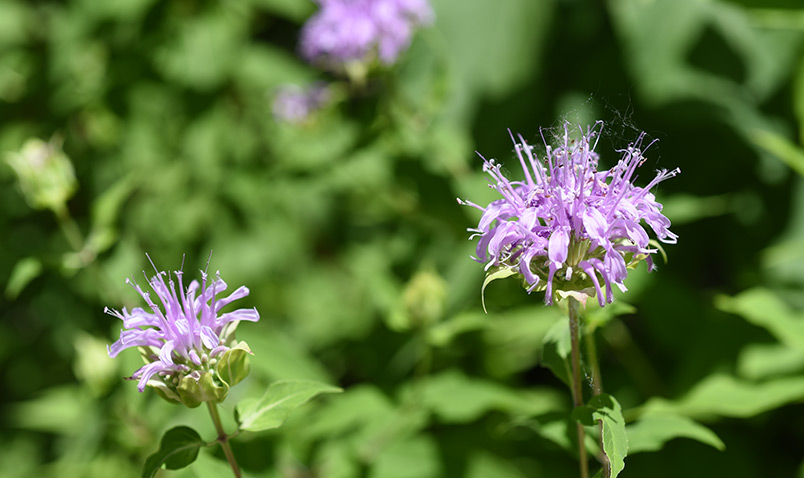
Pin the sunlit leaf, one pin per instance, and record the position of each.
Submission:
(765, 309)
(727, 396)
(25, 270)
(278, 402)
(761, 361)
(651, 432)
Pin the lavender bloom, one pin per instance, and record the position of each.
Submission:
(568, 226)
(183, 339)
(345, 31)
(295, 104)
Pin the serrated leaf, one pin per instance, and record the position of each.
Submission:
(500, 273)
(651, 432)
(278, 402)
(178, 448)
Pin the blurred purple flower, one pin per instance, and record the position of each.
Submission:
(294, 104)
(345, 31)
(185, 336)
(568, 226)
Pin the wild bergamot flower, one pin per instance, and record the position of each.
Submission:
(568, 226)
(344, 32)
(188, 346)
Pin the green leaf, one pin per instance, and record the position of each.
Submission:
(605, 409)
(782, 148)
(178, 448)
(499, 273)
(25, 270)
(615, 439)
(278, 402)
(762, 361)
(727, 396)
(651, 432)
(763, 308)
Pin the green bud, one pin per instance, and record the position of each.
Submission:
(193, 392)
(45, 174)
(423, 301)
(234, 366)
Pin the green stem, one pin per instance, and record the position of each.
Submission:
(69, 228)
(223, 438)
(577, 391)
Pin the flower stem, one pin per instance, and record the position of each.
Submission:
(223, 438)
(597, 389)
(577, 391)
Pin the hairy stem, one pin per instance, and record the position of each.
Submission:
(577, 391)
(223, 438)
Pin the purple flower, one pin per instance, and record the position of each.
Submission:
(568, 226)
(346, 31)
(295, 104)
(186, 337)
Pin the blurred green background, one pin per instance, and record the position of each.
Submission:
(346, 229)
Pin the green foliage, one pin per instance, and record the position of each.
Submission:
(278, 402)
(652, 431)
(346, 231)
(178, 448)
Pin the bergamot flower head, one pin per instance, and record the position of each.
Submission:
(344, 33)
(189, 349)
(568, 227)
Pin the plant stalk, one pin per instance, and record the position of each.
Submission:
(577, 391)
(597, 389)
(223, 438)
